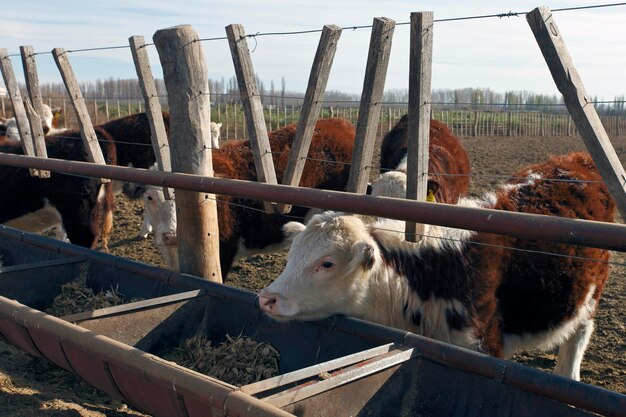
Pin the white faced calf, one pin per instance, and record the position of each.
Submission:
(469, 291)
(161, 215)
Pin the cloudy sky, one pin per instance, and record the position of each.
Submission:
(496, 53)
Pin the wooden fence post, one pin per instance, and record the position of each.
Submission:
(87, 131)
(19, 111)
(190, 144)
(187, 83)
(154, 112)
(253, 108)
(371, 101)
(418, 127)
(34, 106)
(310, 108)
(578, 103)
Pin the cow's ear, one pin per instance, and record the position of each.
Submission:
(363, 255)
(292, 229)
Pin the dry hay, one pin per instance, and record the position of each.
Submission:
(76, 297)
(237, 361)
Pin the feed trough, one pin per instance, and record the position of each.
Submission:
(336, 367)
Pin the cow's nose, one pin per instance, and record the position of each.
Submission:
(267, 303)
(169, 238)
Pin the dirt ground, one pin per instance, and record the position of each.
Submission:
(32, 387)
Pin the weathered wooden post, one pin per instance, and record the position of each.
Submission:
(87, 132)
(153, 107)
(578, 103)
(19, 111)
(371, 103)
(253, 108)
(418, 127)
(187, 83)
(311, 106)
(34, 108)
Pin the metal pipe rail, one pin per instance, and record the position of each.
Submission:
(521, 225)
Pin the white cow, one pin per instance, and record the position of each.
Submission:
(466, 289)
(162, 215)
(215, 135)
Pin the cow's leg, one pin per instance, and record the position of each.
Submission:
(572, 350)
(107, 228)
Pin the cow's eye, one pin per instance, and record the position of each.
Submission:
(327, 264)
(149, 198)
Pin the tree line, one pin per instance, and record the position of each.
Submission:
(227, 91)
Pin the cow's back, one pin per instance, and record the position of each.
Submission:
(448, 162)
(542, 285)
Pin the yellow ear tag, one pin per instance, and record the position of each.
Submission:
(430, 196)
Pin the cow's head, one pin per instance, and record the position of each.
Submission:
(326, 272)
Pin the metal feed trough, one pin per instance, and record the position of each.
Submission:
(337, 367)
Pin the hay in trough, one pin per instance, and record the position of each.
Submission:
(237, 361)
(76, 297)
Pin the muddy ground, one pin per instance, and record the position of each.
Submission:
(32, 387)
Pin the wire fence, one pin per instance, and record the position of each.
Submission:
(463, 122)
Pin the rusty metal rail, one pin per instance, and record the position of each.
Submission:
(522, 225)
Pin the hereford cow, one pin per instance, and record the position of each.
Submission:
(245, 229)
(448, 164)
(85, 205)
(471, 290)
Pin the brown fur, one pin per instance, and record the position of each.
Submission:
(86, 220)
(446, 156)
(333, 140)
(534, 292)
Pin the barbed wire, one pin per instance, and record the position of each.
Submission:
(353, 27)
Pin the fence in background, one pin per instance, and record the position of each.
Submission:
(461, 122)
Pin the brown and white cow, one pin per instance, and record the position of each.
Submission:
(245, 229)
(85, 206)
(495, 294)
(448, 164)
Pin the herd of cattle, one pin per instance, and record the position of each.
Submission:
(491, 293)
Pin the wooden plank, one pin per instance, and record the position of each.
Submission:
(253, 108)
(19, 111)
(87, 132)
(371, 102)
(578, 103)
(153, 107)
(34, 106)
(185, 71)
(418, 127)
(342, 377)
(37, 131)
(311, 106)
(313, 370)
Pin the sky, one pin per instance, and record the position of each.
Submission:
(496, 53)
